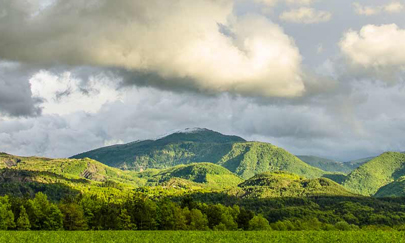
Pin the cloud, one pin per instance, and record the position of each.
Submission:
(362, 122)
(393, 7)
(305, 15)
(301, 2)
(15, 93)
(178, 41)
(63, 93)
(272, 3)
(147, 113)
(375, 47)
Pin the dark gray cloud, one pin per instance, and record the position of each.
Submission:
(15, 92)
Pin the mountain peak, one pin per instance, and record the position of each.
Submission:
(193, 130)
(197, 134)
(184, 131)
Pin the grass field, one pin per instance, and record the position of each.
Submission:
(191, 237)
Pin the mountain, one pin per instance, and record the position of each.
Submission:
(251, 158)
(354, 164)
(182, 147)
(283, 184)
(207, 174)
(60, 177)
(326, 164)
(376, 173)
(202, 145)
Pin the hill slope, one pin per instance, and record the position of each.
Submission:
(354, 164)
(23, 176)
(282, 184)
(208, 174)
(378, 172)
(251, 158)
(394, 189)
(198, 145)
(202, 145)
(326, 164)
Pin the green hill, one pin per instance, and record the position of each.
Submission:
(198, 145)
(378, 172)
(394, 189)
(283, 184)
(202, 145)
(251, 158)
(208, 174)
(326, 164)
(71, 168)
(60, 177)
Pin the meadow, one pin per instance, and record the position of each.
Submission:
(194, 236)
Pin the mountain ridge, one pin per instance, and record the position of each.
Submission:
(244, 158)
(370, 177)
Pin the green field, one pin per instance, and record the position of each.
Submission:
(192, 236)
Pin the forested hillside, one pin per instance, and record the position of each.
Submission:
(83, 194)
(378, 172)
(282, 184)
(205, 174)
(201, 145)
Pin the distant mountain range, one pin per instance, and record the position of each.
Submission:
(243, 158)
(202, 159)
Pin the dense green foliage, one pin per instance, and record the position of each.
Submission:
(213, 236)
(25, 176)
(394, 189)
(326, 164)
(208, 174)
(378, 172)
(251, 186)
(251, 158)
(73, 169)
(139, 211)
(240, 157)
(281, 184)
(178, 148)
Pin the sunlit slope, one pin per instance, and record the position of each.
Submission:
(251, 158)
(205, 174)
(283, 184)
(58, 178)
(378, 172)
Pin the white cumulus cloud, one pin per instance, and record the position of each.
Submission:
(306, 15)
(200, 44)
(393, 7)
(64, 94)
(375, 46)
(271, 3)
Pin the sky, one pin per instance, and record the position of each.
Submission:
(316, 77)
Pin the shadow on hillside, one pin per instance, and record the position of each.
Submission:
(338, 178)
(21, 183)
(11, 175)
(55, 191)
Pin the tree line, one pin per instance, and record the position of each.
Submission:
(138, 212)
